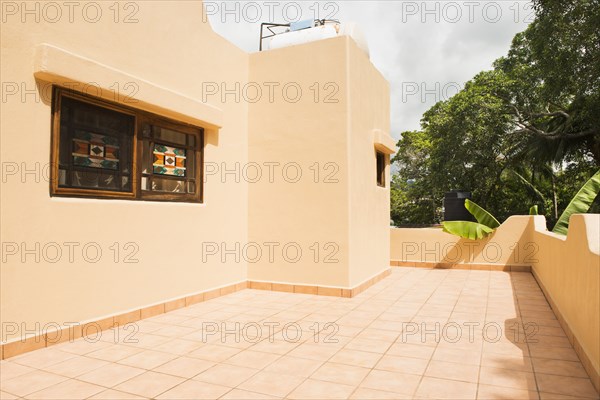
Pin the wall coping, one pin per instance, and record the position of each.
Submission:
(62, 67)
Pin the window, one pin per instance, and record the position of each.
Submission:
(169, 164)
(103, 150)
(380, 169)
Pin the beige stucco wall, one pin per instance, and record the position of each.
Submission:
(172, 48)
(303, 135)
(335, 213)
(569, 271)
(509, 244)
(369, 204)
(340, 209)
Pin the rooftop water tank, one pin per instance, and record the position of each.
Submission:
(320, 32)
(454, 206)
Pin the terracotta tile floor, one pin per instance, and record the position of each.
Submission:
(425, 334)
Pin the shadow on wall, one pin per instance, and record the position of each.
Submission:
(510, 244)
(568, 271)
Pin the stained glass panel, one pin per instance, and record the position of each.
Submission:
(169, 160)
(95, 150)
(96, 142)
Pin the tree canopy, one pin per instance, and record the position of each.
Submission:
(525, 132)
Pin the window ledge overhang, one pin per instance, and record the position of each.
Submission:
(61, 67)
(383, 142)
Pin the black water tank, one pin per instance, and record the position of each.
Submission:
(454, 206)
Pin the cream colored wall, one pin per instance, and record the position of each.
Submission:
(369, 209)
(171, 54)
(345, 215)
(569, 270)
(509, 244)
(305, 132)
(172, 48)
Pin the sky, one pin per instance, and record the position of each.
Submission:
(426, 50)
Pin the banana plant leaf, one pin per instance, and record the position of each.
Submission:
(530, 186)
(533, 210)
(466, 229)
(579, 204)
(481, 215)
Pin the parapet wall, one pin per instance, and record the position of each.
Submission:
(568, 271)
(509, 245)
(566, 268)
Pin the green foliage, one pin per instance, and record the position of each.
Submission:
(481, 215)
(486, 223)
(412, 200)
(466, 229)
(533, 210)
(526, 132)
(410, 205)
(581, 203)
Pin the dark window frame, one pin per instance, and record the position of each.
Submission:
(137, 140)
(381, 164)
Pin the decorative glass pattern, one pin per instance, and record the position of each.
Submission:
(93, 142)
(168, 160)
(96, 151)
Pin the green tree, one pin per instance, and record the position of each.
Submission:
(553, 68)
(526, 132)
(413, 202)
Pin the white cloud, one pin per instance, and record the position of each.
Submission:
(431, 47)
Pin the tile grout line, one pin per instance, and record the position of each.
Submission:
(343, 347)
(429, 272)
(354, 308)
(382, 355)
(380, 296)
(535, 378)
(465, 281)
(487, 305)
(289, 351)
